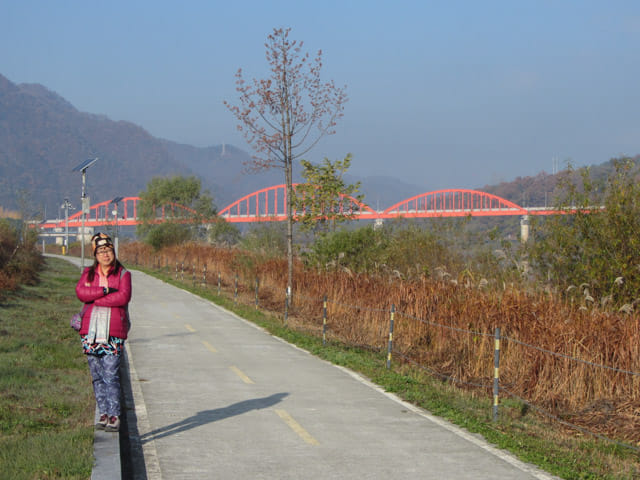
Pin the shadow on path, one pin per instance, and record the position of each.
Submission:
(210, 416)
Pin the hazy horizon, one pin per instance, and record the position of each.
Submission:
(442, 94)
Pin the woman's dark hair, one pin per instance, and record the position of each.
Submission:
(92, 270)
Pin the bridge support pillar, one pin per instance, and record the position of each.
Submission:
(524, 229)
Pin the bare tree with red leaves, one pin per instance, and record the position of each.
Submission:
(285, 115)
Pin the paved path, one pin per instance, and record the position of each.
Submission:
(217, 397)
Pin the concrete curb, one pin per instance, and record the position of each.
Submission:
(106, 454)
(139, 461)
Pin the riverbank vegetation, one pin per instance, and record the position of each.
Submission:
(565, 304)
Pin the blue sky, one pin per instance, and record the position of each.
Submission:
(443, 94)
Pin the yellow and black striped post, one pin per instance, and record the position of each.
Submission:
(390, 348)
(286, 306)
(235, 290)
(496, 371)
(257, 286)
(324, 321)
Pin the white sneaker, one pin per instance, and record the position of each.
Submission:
(102, 422)
(113, 425)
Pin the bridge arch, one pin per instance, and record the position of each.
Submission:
(270, 204)
(459, 202)
(100, 214)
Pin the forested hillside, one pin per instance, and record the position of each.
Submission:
(43, 137)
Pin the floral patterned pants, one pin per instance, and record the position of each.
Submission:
(105, 371)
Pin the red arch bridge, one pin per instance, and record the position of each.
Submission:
(270, 205)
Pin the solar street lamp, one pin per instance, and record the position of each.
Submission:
(85, 200)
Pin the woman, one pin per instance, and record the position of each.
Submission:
(105, 289)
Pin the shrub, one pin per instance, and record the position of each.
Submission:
(20, 261)
(167, 234)
(360, 250)
(267, 239)
(598, 249)
(223, 233)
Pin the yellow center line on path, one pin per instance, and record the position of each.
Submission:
(239, 372)
(296, 427)
(210, 347)
(189, 327)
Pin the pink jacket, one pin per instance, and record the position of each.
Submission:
(118, 301)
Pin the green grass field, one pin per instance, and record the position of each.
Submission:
(46, 398)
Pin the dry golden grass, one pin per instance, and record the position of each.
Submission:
(449, 328)
(4, 213)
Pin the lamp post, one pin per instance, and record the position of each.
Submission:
(66, 205)
(85, 200)
(115, 201)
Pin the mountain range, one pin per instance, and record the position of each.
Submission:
(43, 137)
